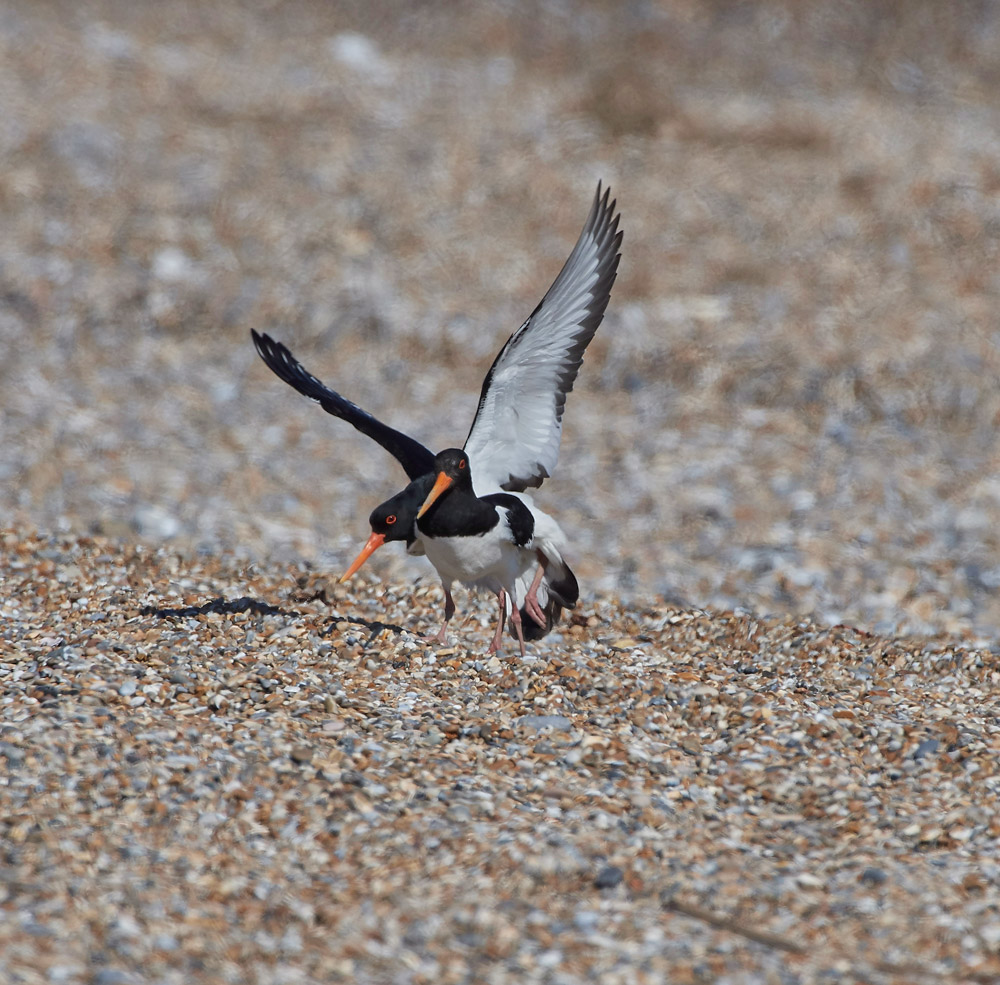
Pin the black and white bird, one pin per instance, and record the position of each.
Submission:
(485, 542)
(467, 508)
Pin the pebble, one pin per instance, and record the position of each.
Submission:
(539, 722)
(608, 877)
(301, 754)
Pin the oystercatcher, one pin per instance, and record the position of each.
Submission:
(488, 542)
(513, 445)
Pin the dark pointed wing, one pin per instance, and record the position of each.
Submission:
(413, 456)
(514, 440)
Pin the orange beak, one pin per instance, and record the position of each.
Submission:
(374, 543)
(443, 482)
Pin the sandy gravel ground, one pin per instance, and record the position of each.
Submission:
(765, 748)
(291, 787)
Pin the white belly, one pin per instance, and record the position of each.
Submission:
(488, 560)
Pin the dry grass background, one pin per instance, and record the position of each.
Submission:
(791, 407)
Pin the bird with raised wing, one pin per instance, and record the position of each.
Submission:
(481, 528)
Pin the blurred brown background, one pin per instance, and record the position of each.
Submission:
(791, 405)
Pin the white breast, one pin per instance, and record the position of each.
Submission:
(490, 560)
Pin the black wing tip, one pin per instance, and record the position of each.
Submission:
(265, 345)
(262, 342)
(602, 228)
(602, 205)
(274, 353)
(279, 359)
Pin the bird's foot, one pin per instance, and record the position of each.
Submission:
(531, 605)
(439, 637)
(533, 609)
(494, 646)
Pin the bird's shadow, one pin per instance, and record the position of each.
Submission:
(220, 605)
(259, 608)
(374, 626)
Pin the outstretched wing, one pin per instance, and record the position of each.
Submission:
(413, 456)
(514, 440)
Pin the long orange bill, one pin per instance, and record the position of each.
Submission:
(443, 482)
(374, 543)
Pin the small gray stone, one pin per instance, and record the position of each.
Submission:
(873, 877)
(539, 722)
(609, 877)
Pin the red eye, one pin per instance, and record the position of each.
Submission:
(390, 519)
(461, 464)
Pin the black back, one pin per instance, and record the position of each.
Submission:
(458, 514)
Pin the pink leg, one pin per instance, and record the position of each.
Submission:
(531, 605)
(502, 599)
(449, 611)
(515, 618)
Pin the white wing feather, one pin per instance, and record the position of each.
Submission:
(514, 439)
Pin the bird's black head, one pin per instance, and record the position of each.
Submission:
(396, 517)
(452, 471)
(386, 520)
(454, 463)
